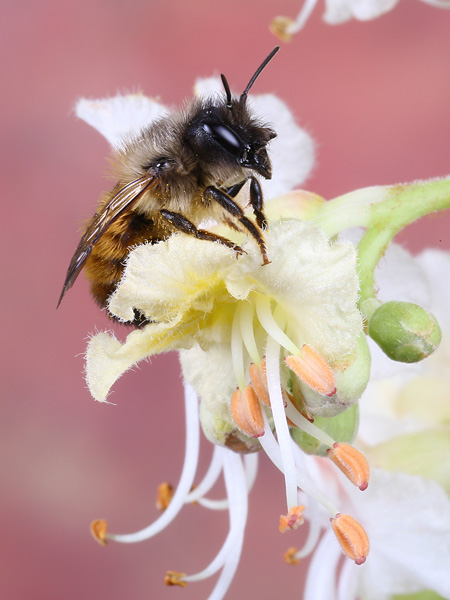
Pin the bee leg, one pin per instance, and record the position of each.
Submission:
(234, 190)
(256, 200)
(182, 224)
(236, 211)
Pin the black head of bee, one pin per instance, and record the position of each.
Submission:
(225, 130)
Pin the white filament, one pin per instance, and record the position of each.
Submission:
(186, 479)
(279, 418)
(274, 452)
(229, 554)
(272, 328)
(308, 427)
(208, 481)
(246, 321)
(237, 350)
(251, 468)
(313, 513)
(302, 16)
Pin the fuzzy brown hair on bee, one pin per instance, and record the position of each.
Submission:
(180, 170)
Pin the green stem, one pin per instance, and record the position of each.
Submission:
(399, 206)
(351, 210)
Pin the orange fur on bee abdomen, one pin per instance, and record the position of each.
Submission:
(105, 265)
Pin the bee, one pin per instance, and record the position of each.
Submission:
(180, 170)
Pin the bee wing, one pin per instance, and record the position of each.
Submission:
(125, 198)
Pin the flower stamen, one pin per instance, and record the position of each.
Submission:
(164, 495)
(352, 537)
(186, 479)
(304, 423)
(237, 349)
(282, 27)
(212, 475)
(293, 519)
(175, 578)
(352, 463)
(228, 557)
(258, 379)
(279, 419)
(269, 323)
(246, 323)
(290, 556)
(311, 368)
(286, 27)
(98, 530)
(246, 412)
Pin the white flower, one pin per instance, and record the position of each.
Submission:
(405, 432)
(339, 11)
(407, 519)
(267, 348)
(245, 332)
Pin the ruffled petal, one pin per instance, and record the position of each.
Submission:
(120, 118)
(165, 281)
(316, 283)
(107, 359)
(339, 11)
(292, 152)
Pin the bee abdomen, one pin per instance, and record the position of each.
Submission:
(105, 265)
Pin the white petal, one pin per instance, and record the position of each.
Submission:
(292, 152)
(208, 87)
(338, 11)
(107, 359)
(165, 280)
(436, 269)
(120, 118)
(315, 281)
(407, 519)
(399, 276)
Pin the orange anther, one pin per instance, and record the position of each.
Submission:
(258, 378)
(175, 578)
(280, 27)
(164, 495)
(98, 530)
(352, 537)
(290, 556)
(246, 412)
(313, 370)
(352, 463)
(292, 520)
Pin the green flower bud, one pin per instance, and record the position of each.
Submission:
(404, 331)
(342, 428)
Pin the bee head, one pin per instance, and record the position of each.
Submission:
(228, 132)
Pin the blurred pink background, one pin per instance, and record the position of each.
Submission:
(375, 96)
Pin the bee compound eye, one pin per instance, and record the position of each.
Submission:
(224, 136)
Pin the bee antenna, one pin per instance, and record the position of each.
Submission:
(258, 72)
(227, 90)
